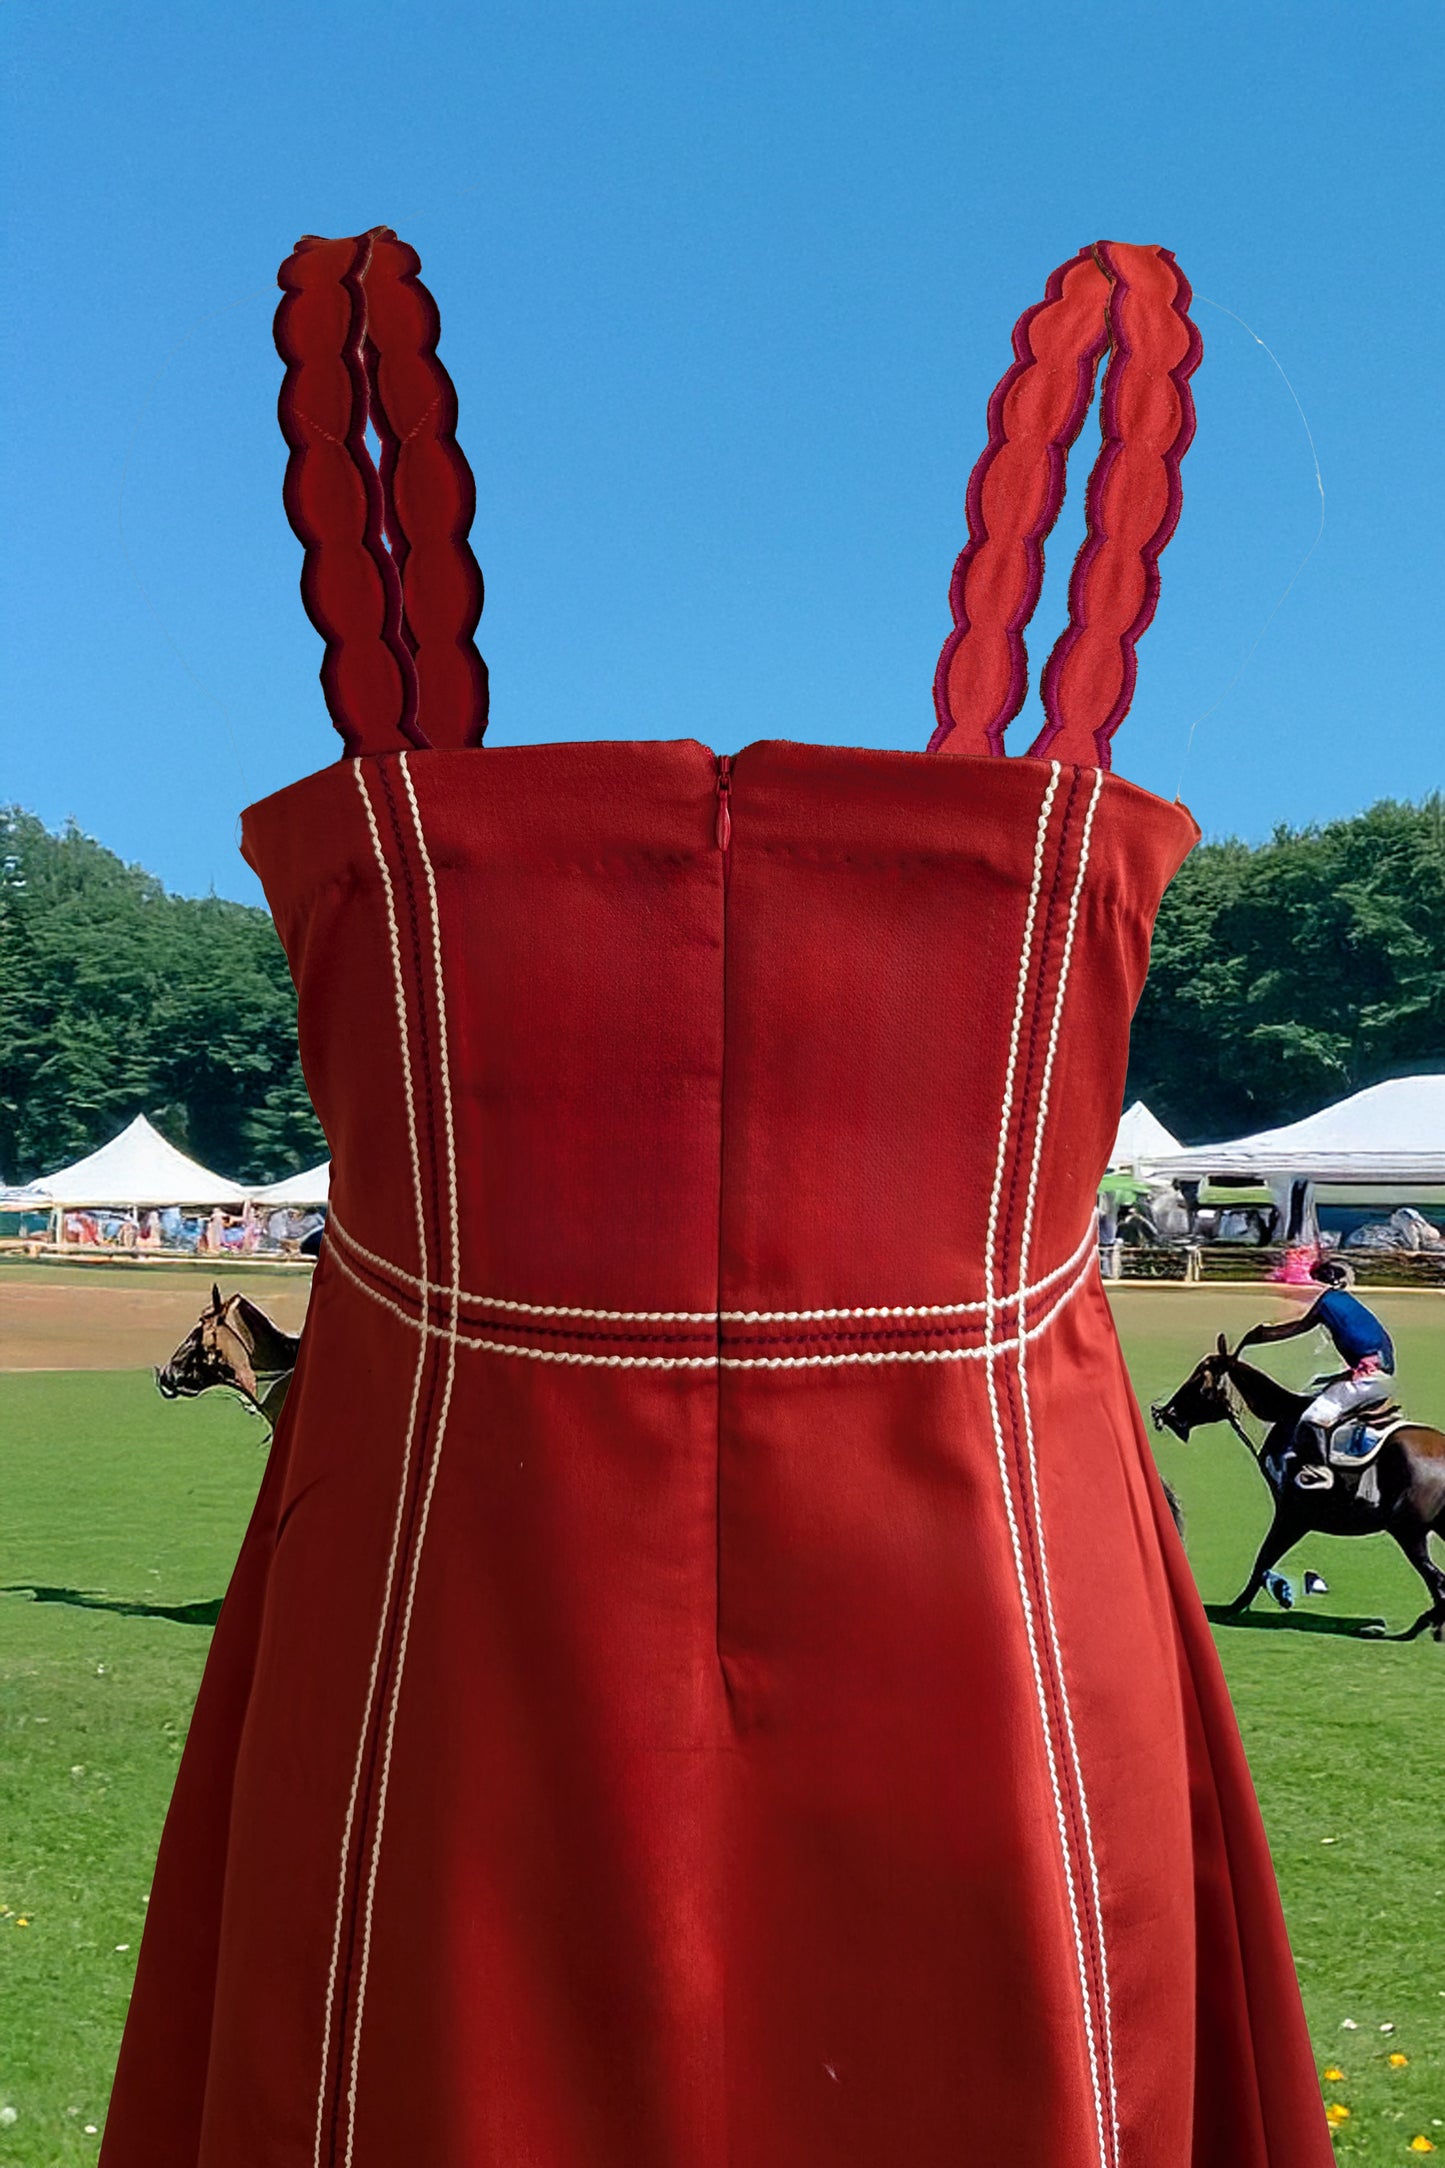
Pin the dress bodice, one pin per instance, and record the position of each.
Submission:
(802, 1029)
(763, 1074)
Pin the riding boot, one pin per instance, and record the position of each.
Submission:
(1314, 1471)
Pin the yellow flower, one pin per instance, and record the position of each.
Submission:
(1333, 2074)
(22, 1922)
(1422, 2145)
(1337, 2111)
(1398, 2061)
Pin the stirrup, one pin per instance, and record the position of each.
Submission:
(1311, 1476)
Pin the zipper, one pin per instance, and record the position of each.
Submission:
(724, 816)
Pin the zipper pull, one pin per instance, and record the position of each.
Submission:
(724, 817)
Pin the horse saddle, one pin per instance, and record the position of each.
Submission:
(1354, 1441)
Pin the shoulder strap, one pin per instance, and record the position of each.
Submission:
(388, 578)
(1133, 301)
(429, 493)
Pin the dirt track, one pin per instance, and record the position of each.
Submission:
(91, 1318)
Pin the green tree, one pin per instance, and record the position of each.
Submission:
(1296, 972)
(116, 997)
(1283, 976)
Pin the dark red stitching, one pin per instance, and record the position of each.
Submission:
(877, 1332)
(564, 1332)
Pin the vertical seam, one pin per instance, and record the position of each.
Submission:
(1028, 1108)
(1097, 1921)
(1019, 1421)
(413, 1575)
(991, 1359)
(444, 1043)
(403, 1036)
(414, 920)
(424, 1430)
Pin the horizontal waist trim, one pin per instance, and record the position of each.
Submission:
(706, 1340)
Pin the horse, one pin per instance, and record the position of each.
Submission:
(236, 1345)
(1407, 1500)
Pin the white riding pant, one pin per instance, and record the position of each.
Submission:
(1347, 1395)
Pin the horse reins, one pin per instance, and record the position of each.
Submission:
(1234, 1422)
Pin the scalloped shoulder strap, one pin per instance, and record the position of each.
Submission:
(1134, 302)
(388, 578)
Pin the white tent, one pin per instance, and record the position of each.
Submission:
(313, 1187)
(1390, 1139)
(136, 1168)
(1141, 1139)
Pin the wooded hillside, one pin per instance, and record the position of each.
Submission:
(1294, 972)
(117, 998)
(1284, 975)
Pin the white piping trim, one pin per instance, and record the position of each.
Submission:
(993, 1348)
(427, 1329)
(499, 1302)
(920, 1355)
(712, 1317)
(444, 1060)
(405, 1044)
(1065, 962)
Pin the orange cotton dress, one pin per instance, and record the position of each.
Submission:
(711, 1679)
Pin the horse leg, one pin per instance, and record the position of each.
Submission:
(1176, 1510)
(1283, 1534)
(274, 1399)
(1414, 1541)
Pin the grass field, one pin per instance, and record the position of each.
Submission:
(121, 1520)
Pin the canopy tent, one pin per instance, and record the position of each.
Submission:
(1390, 1138)
(1236, 1193)
(1123, 1187)
(136, 1168)
(313, 1188)
(1141, 1138)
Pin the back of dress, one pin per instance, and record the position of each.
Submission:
(711, 1676)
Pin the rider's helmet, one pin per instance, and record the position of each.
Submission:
(1333, 1271)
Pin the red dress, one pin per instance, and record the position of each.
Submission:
(711, 1680)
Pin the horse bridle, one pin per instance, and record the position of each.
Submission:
(215, 1326)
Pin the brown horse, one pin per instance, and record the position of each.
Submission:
(236, 1345)
(1406, 1499)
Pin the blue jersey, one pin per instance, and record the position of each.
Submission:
(1356, 1331)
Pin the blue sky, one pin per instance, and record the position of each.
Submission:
(724, 293)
